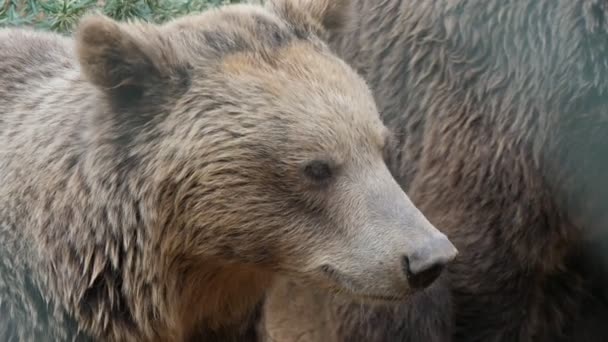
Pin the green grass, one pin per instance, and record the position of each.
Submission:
(61, 15)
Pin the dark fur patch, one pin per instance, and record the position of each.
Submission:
(106, 290)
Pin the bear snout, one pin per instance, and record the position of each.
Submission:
(424, 264)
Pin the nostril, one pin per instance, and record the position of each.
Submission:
(406, 266)
(425, 278)
(424, 264)
(422, 277)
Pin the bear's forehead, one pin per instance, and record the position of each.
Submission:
(300, 73)
(304, 84)
(285, 65)
(258, 46)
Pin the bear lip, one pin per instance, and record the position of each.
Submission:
(342, 285)
(383, 298)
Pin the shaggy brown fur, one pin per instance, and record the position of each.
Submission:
(501, 111)
(155, 179)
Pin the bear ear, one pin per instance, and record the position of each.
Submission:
(112, 57)
(327, 14)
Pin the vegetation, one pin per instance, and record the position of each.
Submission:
(62, 15)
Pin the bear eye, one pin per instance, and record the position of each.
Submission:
(319, 171)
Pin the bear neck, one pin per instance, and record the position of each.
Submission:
(170, 295)
(216, 300)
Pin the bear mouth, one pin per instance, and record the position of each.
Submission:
(382, 298)
(342, 285)
(364, 297)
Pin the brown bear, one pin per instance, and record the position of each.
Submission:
(156, 179)
(500, 109)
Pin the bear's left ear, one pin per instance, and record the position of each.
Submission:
(113, 56)
(324, 14)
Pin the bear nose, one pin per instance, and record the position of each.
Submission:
(426, 263)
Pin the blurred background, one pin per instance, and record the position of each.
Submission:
(61, 15)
